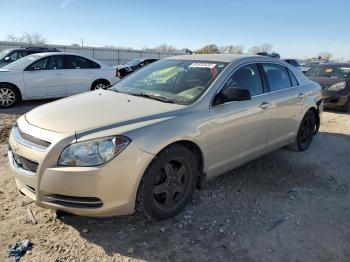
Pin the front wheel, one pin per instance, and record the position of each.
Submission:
(168, 183)
(305, 133)
(9, 96)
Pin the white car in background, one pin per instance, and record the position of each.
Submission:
(51, 75)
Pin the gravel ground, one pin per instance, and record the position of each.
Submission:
(285, 206)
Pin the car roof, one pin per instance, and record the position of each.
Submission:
(56, 53)
(227, 58)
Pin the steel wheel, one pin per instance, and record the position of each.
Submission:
(171, 184)
(168, 183)
(7, 97)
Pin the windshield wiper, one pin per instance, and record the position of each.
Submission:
(151, 96)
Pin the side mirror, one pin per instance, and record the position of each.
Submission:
(232, 94)
(7, 58)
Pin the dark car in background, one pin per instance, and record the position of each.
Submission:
(133, 65)
(293, 62)
(8, 56)
(334, 78)
(308, 65)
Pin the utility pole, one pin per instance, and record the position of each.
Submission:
(82, 42)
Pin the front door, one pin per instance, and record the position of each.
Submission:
(239, 129)
(46, 78)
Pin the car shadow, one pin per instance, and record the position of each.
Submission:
(243, 204)
(335, 110)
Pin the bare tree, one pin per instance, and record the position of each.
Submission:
(267, 47)
(232, 49)
(12, 38)
(28, 38)
(261, 48)
(254, 50)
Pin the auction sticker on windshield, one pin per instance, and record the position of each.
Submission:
(203, 65)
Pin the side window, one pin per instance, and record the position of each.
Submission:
(21, 54)
(94, 64)
(77, 62)
(13, 56)
(293, 78)
(41, 64)
(56, 62)
(277, 77)
(247, 77)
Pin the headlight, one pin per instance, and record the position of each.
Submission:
(337, 87)
(93, 152)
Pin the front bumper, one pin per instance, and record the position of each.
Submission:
(335, 101)
(105, 190)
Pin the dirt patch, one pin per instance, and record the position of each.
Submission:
(285, 206)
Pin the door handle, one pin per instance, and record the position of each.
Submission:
(58, 74)
(301, 95)
(264, 105)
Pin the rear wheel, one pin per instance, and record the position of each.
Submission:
(168, 183)
(305, 134)
(9, 96)
(101, 84)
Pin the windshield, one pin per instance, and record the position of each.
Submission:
(180, 81)
(332, 71)
(22, 63)
(3, 53)
(134, 62)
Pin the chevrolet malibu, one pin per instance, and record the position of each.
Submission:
(51, 75)
(149, 141)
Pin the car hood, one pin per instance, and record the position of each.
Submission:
(96, 109)
(325, 82)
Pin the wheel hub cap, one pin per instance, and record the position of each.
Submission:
(7, 97)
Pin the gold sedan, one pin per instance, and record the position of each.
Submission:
(154, 137)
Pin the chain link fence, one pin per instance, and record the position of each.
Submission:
(109, 56)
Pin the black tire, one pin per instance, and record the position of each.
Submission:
(100, 84)
(9, 96)
(305, 133)
(168, 183)
(346, 107)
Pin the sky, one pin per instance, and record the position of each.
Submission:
(295, 28)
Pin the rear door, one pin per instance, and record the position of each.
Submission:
(46, 78)
(81, 72)
(286, 101)
(239, 129)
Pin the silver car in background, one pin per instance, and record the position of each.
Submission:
(155, 136)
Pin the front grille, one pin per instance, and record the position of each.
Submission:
(25, 163)
(34, 140)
